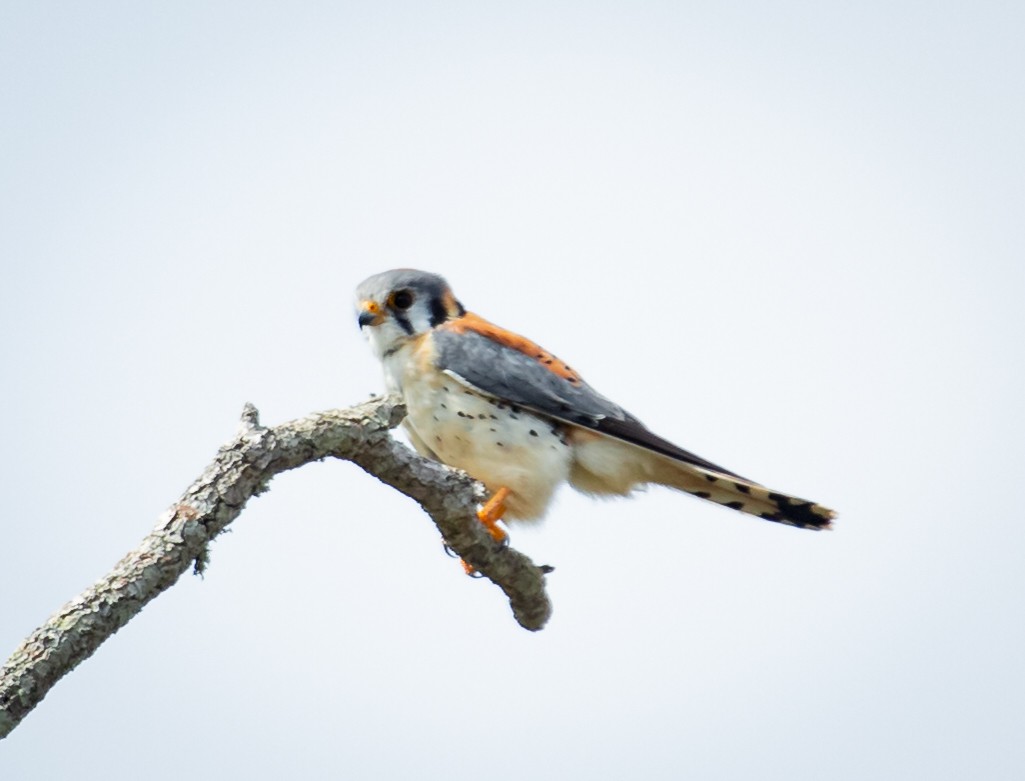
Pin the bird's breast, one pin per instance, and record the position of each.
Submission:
(494, 441)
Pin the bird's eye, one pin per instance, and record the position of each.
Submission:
(402, 299)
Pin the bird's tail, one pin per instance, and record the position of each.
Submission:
(740, 494)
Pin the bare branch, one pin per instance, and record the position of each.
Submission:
(242, 469)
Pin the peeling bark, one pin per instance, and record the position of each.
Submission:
(242, 469)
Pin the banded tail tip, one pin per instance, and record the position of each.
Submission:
(800, 513)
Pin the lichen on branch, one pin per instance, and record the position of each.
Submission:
(242, 469)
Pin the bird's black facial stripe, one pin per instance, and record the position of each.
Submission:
(403, 321)
(438, 312)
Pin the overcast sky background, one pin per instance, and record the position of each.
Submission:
(788, 236)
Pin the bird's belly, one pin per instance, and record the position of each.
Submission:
(493, 441)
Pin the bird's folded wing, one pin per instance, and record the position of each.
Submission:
(508, 374)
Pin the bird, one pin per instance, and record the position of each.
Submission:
(521, 421)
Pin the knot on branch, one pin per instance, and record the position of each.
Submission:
(250, 420)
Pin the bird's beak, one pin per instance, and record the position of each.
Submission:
(370, 313)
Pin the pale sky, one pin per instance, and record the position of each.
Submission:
(787, 236)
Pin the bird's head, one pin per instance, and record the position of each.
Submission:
(396, 306)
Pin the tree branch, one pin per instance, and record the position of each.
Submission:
(242, 469)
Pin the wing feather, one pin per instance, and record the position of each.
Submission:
(509, 374)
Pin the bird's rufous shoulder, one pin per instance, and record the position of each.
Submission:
(470, 322)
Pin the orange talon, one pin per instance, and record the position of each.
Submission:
(491, 513)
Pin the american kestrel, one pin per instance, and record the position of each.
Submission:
(520, 420)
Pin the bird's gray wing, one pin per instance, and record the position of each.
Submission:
(508, 374)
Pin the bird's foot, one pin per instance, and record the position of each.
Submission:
(491, 513)
(489, 516)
